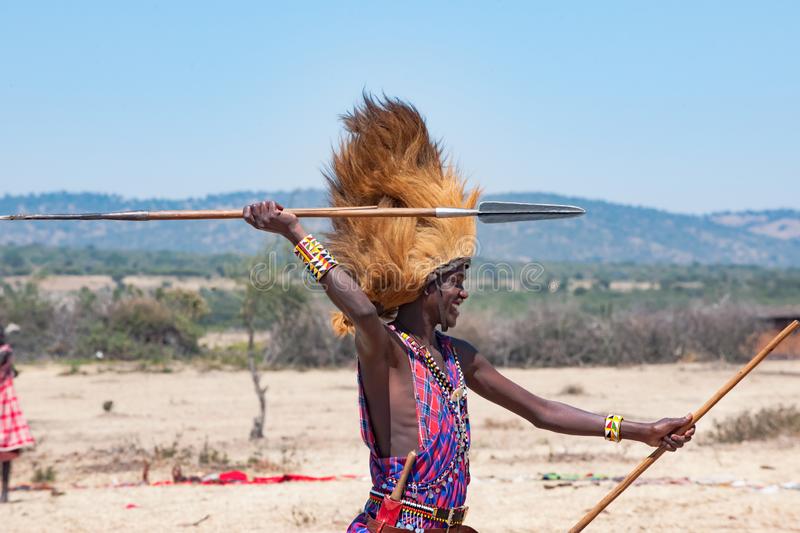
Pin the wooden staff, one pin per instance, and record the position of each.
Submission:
(392, 504)
(650, 459)
(400, 487)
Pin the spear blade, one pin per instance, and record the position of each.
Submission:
(496, 212)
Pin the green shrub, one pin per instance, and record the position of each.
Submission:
(44, 475)
(34, 314)
(141, 328)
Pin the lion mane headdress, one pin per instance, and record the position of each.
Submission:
(388, 159)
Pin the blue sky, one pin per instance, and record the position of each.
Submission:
(686, 106)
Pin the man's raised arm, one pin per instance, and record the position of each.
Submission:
(372, 339)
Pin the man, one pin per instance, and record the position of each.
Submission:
(14, 432)
(397, 280)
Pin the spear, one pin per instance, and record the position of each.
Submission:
(697, 415)
(489, 212)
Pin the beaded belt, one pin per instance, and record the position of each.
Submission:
(451, 517)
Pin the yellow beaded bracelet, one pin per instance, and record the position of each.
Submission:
(317, 259)
(612, 428)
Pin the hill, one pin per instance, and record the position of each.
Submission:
(609, 232)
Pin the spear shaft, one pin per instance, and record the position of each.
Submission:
(196, 214)
(486, 212)
(697, 415)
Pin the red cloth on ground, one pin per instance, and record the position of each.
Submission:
(239, 477)
(14, 431)
(232, 476)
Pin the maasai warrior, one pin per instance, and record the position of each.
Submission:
(14, 432)
(398, 280)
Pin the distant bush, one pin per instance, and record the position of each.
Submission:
(767, 423)
(145, 327)
(132, 324)
(127, 325)
(564, 335)
(183, 302)
(553, 337)
(548, 335)
(34, 314)
(224, 308)
(306, 340)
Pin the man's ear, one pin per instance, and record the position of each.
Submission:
(428, 288)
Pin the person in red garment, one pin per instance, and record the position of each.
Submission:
(399, 284)
(15, 435)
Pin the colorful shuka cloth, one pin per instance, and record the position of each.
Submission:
(441, 470)
(14, 431)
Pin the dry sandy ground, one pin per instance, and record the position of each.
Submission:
(313, 429)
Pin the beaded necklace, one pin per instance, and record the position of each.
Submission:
(455, 400)
(454, 396)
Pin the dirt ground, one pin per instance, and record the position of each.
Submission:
(202, 421)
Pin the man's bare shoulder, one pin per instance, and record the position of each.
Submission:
(467, 355)
(383, 347)
(463, 348)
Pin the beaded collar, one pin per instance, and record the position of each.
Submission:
(453, 395)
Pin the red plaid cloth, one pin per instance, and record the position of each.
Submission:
(441, 471)
(14, 431)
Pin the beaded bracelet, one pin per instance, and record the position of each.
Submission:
(317, 259)
(612, 428)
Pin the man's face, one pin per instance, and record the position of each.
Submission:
(451, 295)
